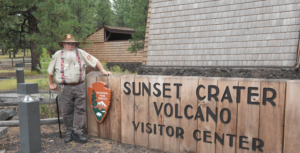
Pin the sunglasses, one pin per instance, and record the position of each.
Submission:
(70, 44)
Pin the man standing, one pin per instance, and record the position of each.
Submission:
(69, 66)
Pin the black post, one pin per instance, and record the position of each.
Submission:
(20, 73)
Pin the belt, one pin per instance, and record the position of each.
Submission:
(72, 84)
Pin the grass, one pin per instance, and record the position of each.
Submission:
(19, 54)
(11, 84)
(13, 71)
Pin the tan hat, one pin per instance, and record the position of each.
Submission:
(68, 38)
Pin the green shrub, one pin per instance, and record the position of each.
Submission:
(46, 110)
(116, 69)
(104, 65)
(44, 61)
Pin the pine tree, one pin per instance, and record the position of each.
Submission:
(17, 20)
(94, 102)
(62, 17)
(44, 22)
(136, 18)
(120, 7)
(104, 13)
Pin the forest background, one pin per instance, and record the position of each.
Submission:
(38, 24)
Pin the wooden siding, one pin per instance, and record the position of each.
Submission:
(210, 33)
(262, 116)
(147, 35)
(97, 36)
(110, 51)
(113, 51)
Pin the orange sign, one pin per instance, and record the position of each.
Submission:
(99, 97)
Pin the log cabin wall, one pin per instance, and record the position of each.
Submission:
(223, 33)
(110, 51)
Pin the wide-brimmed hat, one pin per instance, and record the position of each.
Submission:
(68, 38)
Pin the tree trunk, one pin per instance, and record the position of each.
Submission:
(2, 51)
(33, 29)
(34, 57)
(9, 54)
(14, 52)
(24, 51)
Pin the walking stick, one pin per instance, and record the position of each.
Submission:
(57, 110)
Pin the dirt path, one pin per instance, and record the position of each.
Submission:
(53, 144)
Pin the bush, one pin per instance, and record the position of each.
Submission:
(44, 61)
(116, 69)
(104, 65)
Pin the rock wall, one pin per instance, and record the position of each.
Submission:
(132, 67)
(269, 73)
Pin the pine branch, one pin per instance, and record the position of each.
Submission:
(17, 12)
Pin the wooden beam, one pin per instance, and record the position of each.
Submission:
(106, 38)
(298, 54)
(14, 123)
(15, 103)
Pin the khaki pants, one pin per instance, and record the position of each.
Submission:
(72, 105)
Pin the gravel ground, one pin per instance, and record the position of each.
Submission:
(53, 144)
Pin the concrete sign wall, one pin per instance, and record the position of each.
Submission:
(199, 114)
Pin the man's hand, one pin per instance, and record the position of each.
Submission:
(53, 86)
(106, 72)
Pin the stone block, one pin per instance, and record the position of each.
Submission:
(3, 131)
(7, 113)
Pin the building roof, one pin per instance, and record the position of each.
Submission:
(118, 29)
(112, 29)
(223, 33)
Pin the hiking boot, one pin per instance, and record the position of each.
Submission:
(79, 138)
(68, 138)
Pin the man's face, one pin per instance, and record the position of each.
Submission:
(69, 46)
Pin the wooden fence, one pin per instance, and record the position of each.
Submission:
(200, 114)
(12, 123)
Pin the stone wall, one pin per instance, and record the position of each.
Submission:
(131, 67)
(269, 73)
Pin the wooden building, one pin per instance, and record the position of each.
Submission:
(109, 44)
(223, 33)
